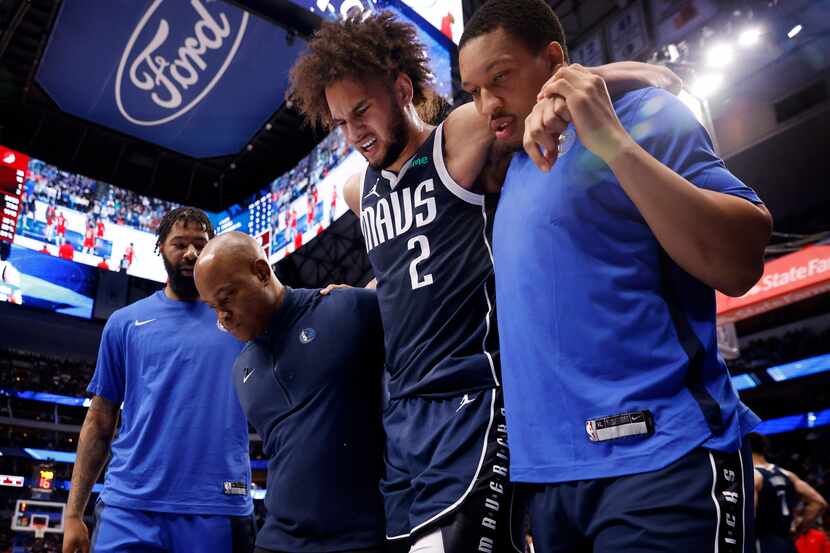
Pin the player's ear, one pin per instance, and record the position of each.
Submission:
(404, 91)
(262, 271)
(555, 55)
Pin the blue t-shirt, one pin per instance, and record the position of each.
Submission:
(311, 385)
(595, 320)
(182, 446)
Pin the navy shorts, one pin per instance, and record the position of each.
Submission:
(120, 530)
(447, 467)
(702, 502)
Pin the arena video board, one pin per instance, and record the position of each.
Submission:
(13, 166)
(100, 225)
(300, 204)
(86, 221)
(46, 282)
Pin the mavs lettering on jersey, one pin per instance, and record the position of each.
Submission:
(380, 223)
(428, 241)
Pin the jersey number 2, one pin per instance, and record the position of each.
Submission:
(423, 244)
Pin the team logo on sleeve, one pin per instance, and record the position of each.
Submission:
(307, 335)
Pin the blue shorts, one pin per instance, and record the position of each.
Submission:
(120, 530)
(447, 467)
(702, 502)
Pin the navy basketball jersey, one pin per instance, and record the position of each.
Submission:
(776, 501)
(428, 241)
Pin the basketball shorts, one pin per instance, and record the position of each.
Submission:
(120, 530)
(702, 502)
(447, 469)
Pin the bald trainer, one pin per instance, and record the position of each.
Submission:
(309, 381)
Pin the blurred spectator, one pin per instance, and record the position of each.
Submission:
(129, 254)
(813, 541)
(66, 251)
(60, 228)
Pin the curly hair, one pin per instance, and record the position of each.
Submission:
(185, 215)
(359, 48)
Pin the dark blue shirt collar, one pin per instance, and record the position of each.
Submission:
(282, 316)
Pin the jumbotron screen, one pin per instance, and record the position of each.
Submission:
(86, 221)
(12, 173)
(300, 204)
(76, 218)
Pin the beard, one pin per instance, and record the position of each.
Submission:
(396, 144)
(183, 286)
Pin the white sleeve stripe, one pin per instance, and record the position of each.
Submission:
(457, 190)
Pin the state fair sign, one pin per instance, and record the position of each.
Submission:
(786, 280)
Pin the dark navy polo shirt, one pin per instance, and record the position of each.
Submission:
(311, 386)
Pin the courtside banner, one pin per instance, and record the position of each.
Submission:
(196, 76)
(786, 280)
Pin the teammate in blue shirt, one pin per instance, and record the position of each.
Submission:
(309, 379)
(620, 413)
(426, 222)
(179, 476)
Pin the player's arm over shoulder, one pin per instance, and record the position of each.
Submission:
(467, 141)
(351, 193)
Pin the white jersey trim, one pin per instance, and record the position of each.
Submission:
(743, 503)
(461, 499)
(438, 158)
(489, 315)
(360, 190)
(431, 543)
(392, 177)
(715, 500)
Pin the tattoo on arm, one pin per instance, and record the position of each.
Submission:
(93, 452)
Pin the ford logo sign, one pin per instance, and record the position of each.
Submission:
(169, 67)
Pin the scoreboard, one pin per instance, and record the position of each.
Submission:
(13, 166)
